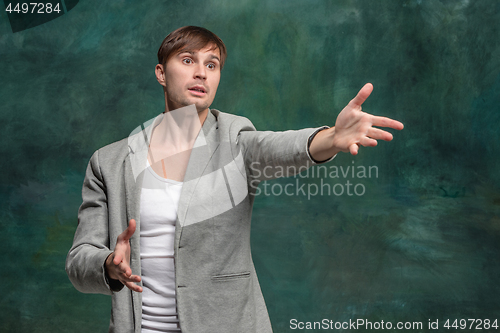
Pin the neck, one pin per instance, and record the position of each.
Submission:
(202, 115)
(178, 129)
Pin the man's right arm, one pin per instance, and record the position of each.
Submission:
(91, 244)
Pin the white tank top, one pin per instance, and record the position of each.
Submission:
(159, 201)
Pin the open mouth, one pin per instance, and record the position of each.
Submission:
(198, 89)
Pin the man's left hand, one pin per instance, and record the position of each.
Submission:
(353, 128)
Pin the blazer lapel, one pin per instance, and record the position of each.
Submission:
(133, 201)
(205, 146)
(134, 166)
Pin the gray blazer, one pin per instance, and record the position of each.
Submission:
(216, 285)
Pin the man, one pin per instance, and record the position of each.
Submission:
(185, 183)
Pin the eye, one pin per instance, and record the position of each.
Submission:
(211, 65)
(187, 61)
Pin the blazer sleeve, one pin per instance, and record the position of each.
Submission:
(270, 155)
(85, 260)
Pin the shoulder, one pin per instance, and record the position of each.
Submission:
(108, 157)
(119, 150)
(113, 150)
(231, 122)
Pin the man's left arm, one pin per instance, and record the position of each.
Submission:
(353, 128)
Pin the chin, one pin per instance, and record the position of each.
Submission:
(201, 107)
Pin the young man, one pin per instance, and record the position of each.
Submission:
(174, 200)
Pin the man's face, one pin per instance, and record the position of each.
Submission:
(191, 77)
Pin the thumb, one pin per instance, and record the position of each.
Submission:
(117, 258)
(127, 234)
(362, 95)
(353, 149)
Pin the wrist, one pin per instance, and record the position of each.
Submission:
(108, 263)
(113, 284)
(321, 145)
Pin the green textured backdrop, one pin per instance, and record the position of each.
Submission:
(422, 242)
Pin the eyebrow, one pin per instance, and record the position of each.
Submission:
(212, 56)
(215, 57)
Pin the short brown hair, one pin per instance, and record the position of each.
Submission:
(190, 38)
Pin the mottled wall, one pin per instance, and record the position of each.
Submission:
(421, 243)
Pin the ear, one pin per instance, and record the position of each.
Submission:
(160, 74)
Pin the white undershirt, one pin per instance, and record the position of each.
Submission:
(159, 201)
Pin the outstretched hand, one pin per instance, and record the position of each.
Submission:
(118, 262)
(353, 128)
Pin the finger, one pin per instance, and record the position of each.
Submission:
(378, 134)
(124, 279)
(368, 142)
(132, 286)
(124, 269)
(131, 278)
(353, 149)
(362, 95)
(387, 122)
(127, 233)
(117, 258)
(130, 230)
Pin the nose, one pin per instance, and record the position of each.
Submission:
(200, 72)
